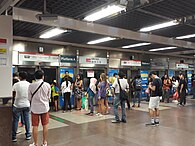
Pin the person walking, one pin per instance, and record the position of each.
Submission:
(119, 84)
(156, 92)
(21, 106)
(39, 94)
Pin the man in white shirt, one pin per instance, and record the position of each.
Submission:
(124, 86)
(21, 105)
(39, 94)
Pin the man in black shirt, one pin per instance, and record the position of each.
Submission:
(156, 92)
(182, 89)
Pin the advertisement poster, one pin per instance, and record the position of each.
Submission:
(62, 73)
(189, 76)
(171, 73)
(144, 78)
(112, 71)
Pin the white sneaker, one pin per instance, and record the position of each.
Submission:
(97, 114)
(44, 144)
(33, 144)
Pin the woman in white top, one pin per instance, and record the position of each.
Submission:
(66, 90)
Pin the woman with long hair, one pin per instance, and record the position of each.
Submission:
(78, 91)
(102, 106)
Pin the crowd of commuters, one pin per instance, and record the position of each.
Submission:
(34, 98)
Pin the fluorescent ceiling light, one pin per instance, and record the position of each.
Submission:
(136, 45)
(161, 49)
(106, 39)
(159, 26)
(52, 33)
(105, 12)
(186, 36)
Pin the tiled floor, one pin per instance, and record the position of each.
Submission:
(176, 128)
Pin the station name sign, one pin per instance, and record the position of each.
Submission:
(38, 57)
(92, 60)
(131, 63)
(182, 65)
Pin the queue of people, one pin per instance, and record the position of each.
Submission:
(34, 98)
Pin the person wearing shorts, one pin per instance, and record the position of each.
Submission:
(39, 94)
(156, 90)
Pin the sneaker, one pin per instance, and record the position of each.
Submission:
(150, 124)
(124, 121)
(97, 114)
(44, 144)
(33, 144)
(133, 105)
(157, 123)
(115, 121)
(14, 140)
(28, 138)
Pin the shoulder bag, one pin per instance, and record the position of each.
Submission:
(123, 93)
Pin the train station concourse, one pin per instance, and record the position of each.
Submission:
(97, 72)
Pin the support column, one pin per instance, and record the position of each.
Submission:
(6, 42)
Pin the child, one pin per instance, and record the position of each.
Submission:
(91, 91)
(55, 94)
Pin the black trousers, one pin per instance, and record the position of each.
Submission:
(182, 96)
(67, 101)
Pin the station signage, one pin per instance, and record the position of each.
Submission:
(3, 41)
(92, 60)
(67, 59)
(182, 65)
(191, 65)
(38, 57)
(145, 63)
(130, 62)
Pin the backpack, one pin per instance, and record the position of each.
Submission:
(138, 84)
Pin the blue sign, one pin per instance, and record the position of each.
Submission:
(171, 73)
(189, 77)
(62, 73)
(112, 71)
(144, 78)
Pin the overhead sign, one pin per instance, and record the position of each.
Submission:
(90, 73)
(191, 65)
(145, 63)
(182, 65)
(130, 62)
(92, 60)
(67, 59)
(38, 57)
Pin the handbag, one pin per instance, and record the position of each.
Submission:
(123, 93)
(147, 91)
(176, 95)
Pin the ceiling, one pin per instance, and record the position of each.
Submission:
(133, 19)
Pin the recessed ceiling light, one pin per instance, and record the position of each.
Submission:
(159, 26)
(161, 49)
(136, 45)
(106, 39)
(52, 33)
(186, 36)
(105, 12)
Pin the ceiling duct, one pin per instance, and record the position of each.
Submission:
(46, 16)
